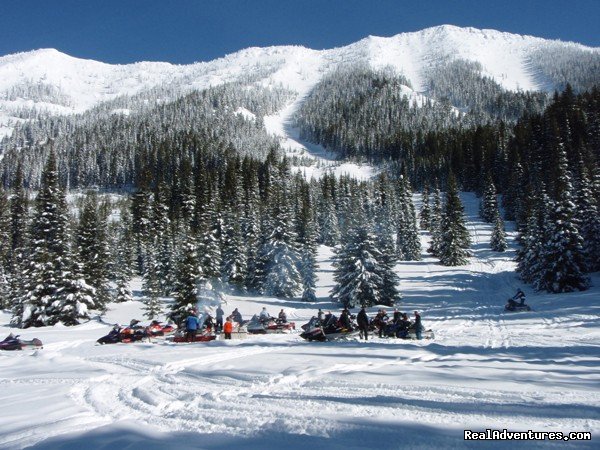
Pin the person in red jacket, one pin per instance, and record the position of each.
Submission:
(228, 328)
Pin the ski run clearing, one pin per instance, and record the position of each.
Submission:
(486, 369)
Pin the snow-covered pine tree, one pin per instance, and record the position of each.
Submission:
(48, 261)
(498, 239)
(151, 287)
(384, 219)
(92, 247)
(233, 255)
(209, 238)
(488, 208)
(408, 239)
(161, 239)
(513, 195)
(251, 232)
(435, 223)
(588, 219)
(455, 241)
(329, 225)
(562, 260)
(124, 257)
(4, 289)
(279, 255)
(533, 236)
(4, 229)
(76, 296)
(123, 293)
(425, 213)
(188, 278)
(18, 225)
(307, 241)
(141, 213)
(359, 277)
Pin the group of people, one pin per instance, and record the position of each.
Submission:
(380, 322)
(194, 321)
(399, 321)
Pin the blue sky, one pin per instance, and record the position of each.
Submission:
(184, 31)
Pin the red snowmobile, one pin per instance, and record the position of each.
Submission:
(203, 335)
(158, 329)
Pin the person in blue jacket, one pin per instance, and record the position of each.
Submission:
(192, 323)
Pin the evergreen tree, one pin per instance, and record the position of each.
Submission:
(76, 297)
(251, 233)
(188, 277)
(151, 286)
(92, 245)
(435, 223)
(124, 257)
(533, 237)
(209, 240)
(425, 213)
(123, 293)
(329, 226)
(588, 219)
(307, 240)
(359, 277)
(488, 208)
(562, 259)
(18, 224)
(408, 239)
(42, 277)
(498, 240)
(280, 257)
(4, 289)
(4, 229)
(455, 239)
(161, 239)
(233, 261)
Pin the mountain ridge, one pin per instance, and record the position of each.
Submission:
(49, 81)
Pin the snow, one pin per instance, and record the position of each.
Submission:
(485, 369)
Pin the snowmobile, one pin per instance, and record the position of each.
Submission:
(316, 330)
(204, 335)
(158, 329)
(256, 325)
(517, 308)
(513, 306)
(132, 333)
(12, 342)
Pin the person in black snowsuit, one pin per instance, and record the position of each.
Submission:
(397, 316)
(418, 326)
(219, 313)
(345, 321)
(236, 316)
(403, 326)
(363, 323)
(282, 317)
(520, 295)
(382, 319)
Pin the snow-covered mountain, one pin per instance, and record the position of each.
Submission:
(48, 80)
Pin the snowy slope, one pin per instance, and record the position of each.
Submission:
(485, 369)
(70, 85)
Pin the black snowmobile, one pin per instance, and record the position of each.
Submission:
(513, 306)
(405, 331)
(132, 333)
(327, 330)
(12, 342)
